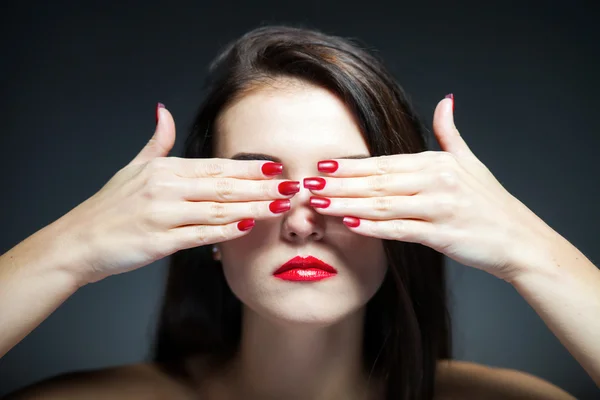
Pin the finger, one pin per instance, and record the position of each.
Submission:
(445, 130)
(404, 230)
(212, 213)
(224, 168)
(163, 139)
(396, 163)
(376, 208)
(406, 184)
(232, 189)
(186, 237)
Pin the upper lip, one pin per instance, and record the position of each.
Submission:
(303, 263)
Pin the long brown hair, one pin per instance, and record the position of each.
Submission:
(407, 324)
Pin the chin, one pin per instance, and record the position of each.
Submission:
(299, 308)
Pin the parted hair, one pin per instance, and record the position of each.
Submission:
(407, 326)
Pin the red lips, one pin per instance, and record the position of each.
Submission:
(305, 269)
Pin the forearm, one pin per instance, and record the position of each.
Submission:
(34, 281)
(563, 287)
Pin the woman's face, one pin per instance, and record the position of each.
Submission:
(299, 124)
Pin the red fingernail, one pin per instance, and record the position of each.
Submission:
(279, 206)
(319, 202)
(352, 222)
(272, 168)
(315, 183)
(289, 187)
(328, 166)
(158, 105)
(450, 96)
(245, 224)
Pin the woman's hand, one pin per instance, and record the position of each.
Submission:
(446, 200)
(157, 205)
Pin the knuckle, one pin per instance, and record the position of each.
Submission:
(257, 211)
(212, 169)
(219, 233)
(158, 164)
(382, 165)
(398, 228)
(155, 216)
(266, 188)
(447, 178)
(382, 204)
(155, 186)
(202, 234)
(224, 188)
(377, 183)
(217, 211)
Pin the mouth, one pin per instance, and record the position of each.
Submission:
(305, 269)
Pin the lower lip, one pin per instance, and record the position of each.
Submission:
(308, 274)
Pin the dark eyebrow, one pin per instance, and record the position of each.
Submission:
(260, 156)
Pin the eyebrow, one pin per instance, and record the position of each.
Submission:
(261, 156)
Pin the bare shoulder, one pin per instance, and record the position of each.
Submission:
(135, 381)
(467, 380)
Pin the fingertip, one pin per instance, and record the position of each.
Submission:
(271, 169)
(246, 224)
(451, 97)
(158, 107)
(351, 222)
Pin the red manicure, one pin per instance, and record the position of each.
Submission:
(352, 222)
(319, 202)
(158, 105)
(289, 187)
(245, 224)
(272, 168)
(279, 206)
(314, 183)
(328, 166)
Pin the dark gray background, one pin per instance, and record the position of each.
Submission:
(79, 87)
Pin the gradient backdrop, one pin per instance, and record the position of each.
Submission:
(79, 88)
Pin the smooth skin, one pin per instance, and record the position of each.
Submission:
(153, 207)
(36, 276)
(449, 201)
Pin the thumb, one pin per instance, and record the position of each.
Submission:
(445, 131)
(163, 139)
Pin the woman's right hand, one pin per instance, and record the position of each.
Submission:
(157, 205)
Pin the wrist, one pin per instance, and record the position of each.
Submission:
(534, 256)
(52, 251)
(549, 257)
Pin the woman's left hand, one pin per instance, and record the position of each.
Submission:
(446, 200)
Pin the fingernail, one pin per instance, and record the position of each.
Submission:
(314, 183)
(245, 224)
(450, 96)
(328, 166)
(289, 187)
(319, 202)
(158, 105)
(279, 206)
(352, 222)
(272, 168)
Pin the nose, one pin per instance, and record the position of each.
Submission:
(302, 223)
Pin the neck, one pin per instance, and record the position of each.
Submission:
(279, 360)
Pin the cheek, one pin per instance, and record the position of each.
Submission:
(369, 265)
(240, 259)
(243, 251)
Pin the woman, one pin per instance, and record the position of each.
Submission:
(307, 224)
